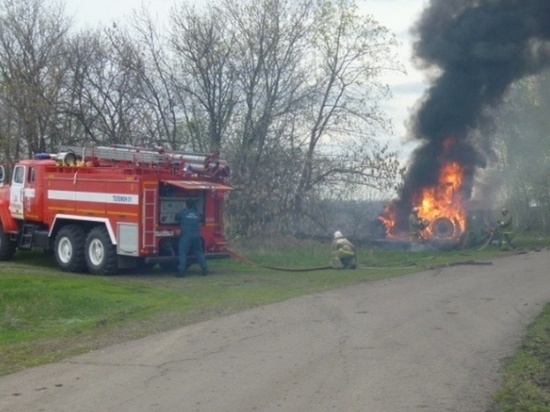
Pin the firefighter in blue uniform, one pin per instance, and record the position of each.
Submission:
(190, 239)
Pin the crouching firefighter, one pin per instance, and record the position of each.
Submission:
(343, 252)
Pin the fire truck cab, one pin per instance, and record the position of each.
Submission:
(101, 209)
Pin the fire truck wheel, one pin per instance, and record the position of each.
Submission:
(101, 257)
(69, 249)
(7, 247)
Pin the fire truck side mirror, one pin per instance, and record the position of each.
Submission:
(2, 175)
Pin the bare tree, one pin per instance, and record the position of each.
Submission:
(309, 73)
(344, 118)
(83, 58)
(202, 46)
(155, 70)
(32, 38)
(289, 90)
(270, 43)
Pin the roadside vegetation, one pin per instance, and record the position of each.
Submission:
(526, 376)
(48, 315)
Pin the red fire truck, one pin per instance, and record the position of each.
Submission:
(105, 208)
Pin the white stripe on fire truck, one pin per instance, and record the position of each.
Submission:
(95, 197)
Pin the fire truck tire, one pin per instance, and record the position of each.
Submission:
(100, 253)
(69, 248)
(7, 247)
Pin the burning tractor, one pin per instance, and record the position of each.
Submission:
(441, 207)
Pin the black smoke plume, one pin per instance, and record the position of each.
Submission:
(477, 49)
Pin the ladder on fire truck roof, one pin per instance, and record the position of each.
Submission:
(132, 154)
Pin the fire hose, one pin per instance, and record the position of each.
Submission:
(427, 242)
(244, 259)
(492, 233)
(489, 240)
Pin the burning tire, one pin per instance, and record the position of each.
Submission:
(443, 228)
(101, 257)
(69, 248)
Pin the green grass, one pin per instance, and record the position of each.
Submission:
(47, 315)
(526, 375)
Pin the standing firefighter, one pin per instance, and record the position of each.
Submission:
(506, 230)
(190, 239)
(343, 252)
(416, 226)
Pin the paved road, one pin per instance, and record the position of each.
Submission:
(426, 342)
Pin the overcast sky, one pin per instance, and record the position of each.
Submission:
(398, 15)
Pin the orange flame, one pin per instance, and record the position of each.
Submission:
(444, 201)
(388, 219)
(442, 205)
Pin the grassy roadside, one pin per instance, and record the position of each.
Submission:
(48, 315)
(526, 375)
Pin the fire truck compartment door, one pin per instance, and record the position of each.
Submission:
(128, 239)
(197, 185)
